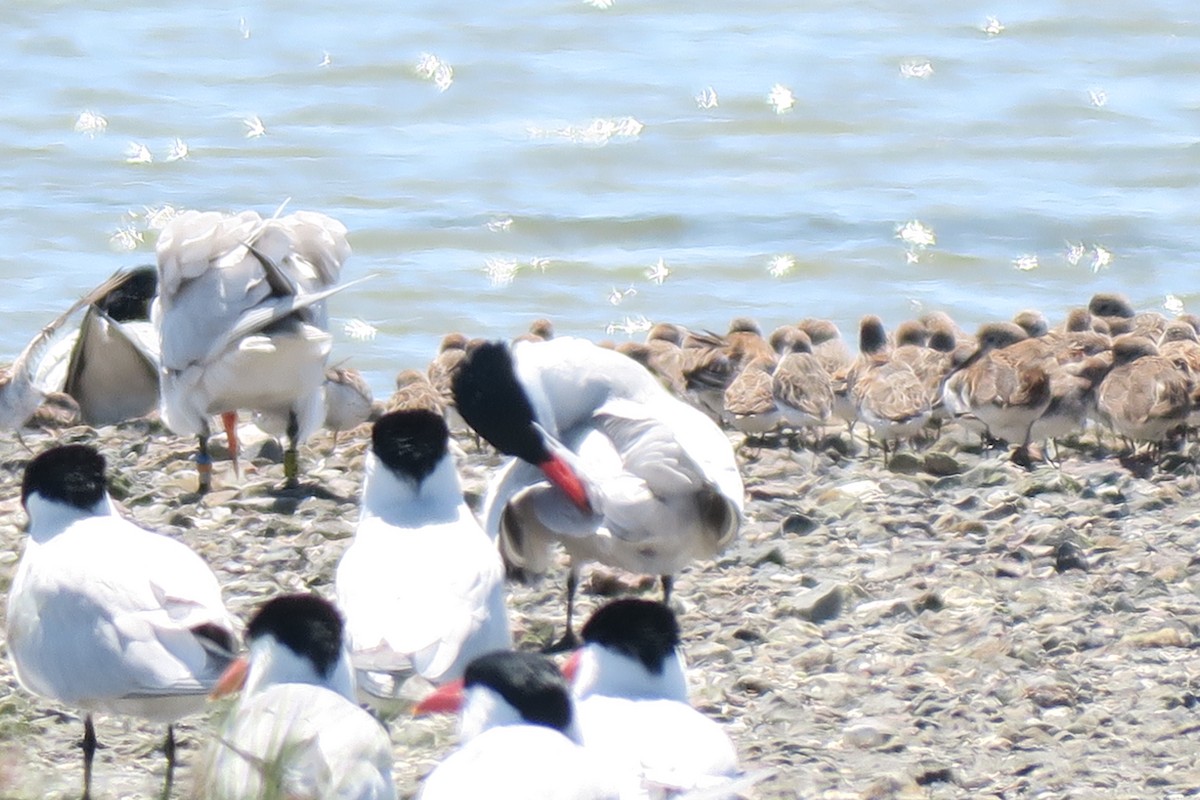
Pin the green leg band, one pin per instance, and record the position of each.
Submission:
(291, 467)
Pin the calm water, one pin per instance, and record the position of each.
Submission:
(570, 144)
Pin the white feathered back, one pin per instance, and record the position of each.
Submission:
(206, 258)
(315, 244)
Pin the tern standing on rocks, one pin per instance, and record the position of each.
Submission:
(422, 586)
(607, 462)
(241, 317)
(105, 616)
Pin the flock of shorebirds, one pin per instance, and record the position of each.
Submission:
(107, 617)
(616, 454)
(1020, 383)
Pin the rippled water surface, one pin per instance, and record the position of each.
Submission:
(608, 166)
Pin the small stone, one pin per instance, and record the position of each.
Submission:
(798, 524)
(882, 609)
(942, 464)
(893, 571)
(709, 652)
(748, 635)
(267, 450)
(753, 685)
(772, 555)
(1000, 511)
(868, 734)
(934, 772)
(817, 605)
(1067, 556)
(1163, 637)
(1010, 568)
(904, 463)
(989, 473)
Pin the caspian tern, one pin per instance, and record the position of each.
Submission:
(518, 736)
(113, 368)
(241, 316)
(296, 731)
(105, 616)
(631, 696)
(422, 586)
(633, 477)
(23, 384)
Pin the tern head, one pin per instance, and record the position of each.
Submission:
(1033, 322)
(130, 300)
(819, 330)
(631, 649)
(70, 475)
(642, 630)
(293, 638)
(942, 338)
(306, 624)
(490, 398)
(410, 443)
(493, 402)
(508, 687)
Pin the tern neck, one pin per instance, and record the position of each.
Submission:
(605, 672)
(50, 517)
(272, 662)
(401, 500)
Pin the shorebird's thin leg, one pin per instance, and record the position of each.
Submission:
(169, 750)
(668, 583)
(291, 456)
(89, 751)
(203, 464)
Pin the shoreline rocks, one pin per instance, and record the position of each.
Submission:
(956, 628)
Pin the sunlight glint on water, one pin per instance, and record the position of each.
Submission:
(504, 162)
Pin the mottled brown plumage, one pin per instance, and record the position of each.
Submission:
(1004, 384)
(415, 391)
(802, 388)
(1144, 396)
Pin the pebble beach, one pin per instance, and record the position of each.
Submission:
(949, 626)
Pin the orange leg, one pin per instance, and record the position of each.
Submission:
(229, 420)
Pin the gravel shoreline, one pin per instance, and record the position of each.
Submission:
(953, 626)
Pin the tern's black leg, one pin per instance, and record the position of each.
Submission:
(291, 456)
(569, 640)
(89, 751)
(169, 750)
(668, 583)
(204, 464)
